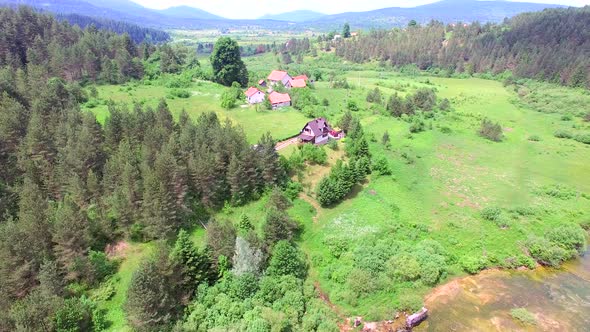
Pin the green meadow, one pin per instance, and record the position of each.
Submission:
(442, 178)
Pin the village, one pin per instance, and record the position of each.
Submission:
(317, 131)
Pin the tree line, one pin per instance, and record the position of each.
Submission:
(551, 45)
(137, 33)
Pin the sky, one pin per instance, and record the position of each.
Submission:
(256, 8)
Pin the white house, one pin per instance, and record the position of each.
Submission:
(254, 96)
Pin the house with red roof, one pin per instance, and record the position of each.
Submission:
(318, 132)
(279, 99)
(254, 96)
(279, 76)
(301, 77)
(296, 83)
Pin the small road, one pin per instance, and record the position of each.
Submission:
(283, 144)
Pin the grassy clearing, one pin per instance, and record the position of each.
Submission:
(131, 257)
(442, 178)
(205, 97)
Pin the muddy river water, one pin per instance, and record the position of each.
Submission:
(558, 298)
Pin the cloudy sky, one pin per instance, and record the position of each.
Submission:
(257, 8)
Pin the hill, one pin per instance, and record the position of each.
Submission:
(295, 16)
(189, 12)
(184, 17)
(446, 11)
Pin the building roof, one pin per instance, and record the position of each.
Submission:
(277, 98)
(277, 75)
(261, 82)
(251, 91)
(298, 83)
(317, 125)
(301, 77)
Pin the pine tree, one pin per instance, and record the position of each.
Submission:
(195, 265)
(71, 238)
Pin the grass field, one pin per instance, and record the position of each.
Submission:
(442, 177)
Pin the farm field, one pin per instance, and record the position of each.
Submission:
(442, 178)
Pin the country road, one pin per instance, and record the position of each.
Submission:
(283, 144)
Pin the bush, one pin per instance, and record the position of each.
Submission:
(352, 106)
(570, 237)
(561, 133)
(381, 166)
(361, 282)
(583, 138)
(491, 213)
(446, 130)
(314, 154)
(410, 303)
(545, 252)
(566, 117)
(180, 93)
(417, 126)
(228, 99)
(534, 138)
(524, 316)
(491, 130)
(293, 189)
(587, 117)
(473, 265)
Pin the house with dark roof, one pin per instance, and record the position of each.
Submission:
(318, 132)
(254, 96)
(279, 99)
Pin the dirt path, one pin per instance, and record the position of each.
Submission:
(283, 144)
(313, 203)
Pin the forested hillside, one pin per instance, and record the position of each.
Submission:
(552, 45)
(137, 33)
(69, 185)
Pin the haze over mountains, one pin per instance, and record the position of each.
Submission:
(194, 18)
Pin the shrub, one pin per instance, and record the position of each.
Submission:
(583, 138)
(545, 252)
(361, 282)
(410, 303)
(381, 166)
(566, 117)
(352, 106)
(314, 154)
(524, 316)
(375, 96)
(491, 213)
(293, 189)
(180, 93)
(444, 105)
(534, 138)
(446, 130)
(491, 130)
(570, 237)
(417, 126)
(228, 99)
(561, 133)
(587, 117)
(473, 265)
(333, 145)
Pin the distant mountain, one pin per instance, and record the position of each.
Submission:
(294, 16)
(184, 17)
(447, 11)
(189, 12)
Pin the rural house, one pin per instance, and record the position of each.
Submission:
(279, 99)
(262, 83)
(301, 77)
(254, 96)
(318, 131)
(296, 83)
(278, 76)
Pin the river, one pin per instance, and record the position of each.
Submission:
(558, 298)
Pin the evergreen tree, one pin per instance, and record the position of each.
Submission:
(346, 30)
(195, 265)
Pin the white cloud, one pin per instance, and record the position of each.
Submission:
(257, 8)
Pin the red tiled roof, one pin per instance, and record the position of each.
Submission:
(251, 91)
(301, 77)
(277, 98)
(260, 82)
(277, 75)
(299, 83)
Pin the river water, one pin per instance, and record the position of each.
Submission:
(558, 298)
